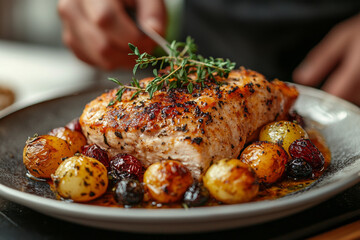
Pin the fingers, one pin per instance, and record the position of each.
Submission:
(337, 58)
(72, 16)
(152, 14)
(86, 41)
(98, 32)
(323, 58)
(112, 20)
(70, 40)
(344, 82)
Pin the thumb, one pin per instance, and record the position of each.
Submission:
(152, 14)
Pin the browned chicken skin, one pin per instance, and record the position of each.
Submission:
(208, 125)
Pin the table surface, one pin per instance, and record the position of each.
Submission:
(17, 222)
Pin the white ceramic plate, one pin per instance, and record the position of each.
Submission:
(336, 119)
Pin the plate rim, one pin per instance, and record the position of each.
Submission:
(243, 209)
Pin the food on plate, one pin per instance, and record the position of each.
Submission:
(80, 178)
(231, 181)
(42, 155)
(298, 168)
(196, 195)
(267, 159)
(306, 150)
(95, 152)
(126, 166)
(74, 125)
(283, 133)
(183, 126)
(167, 180)
(197, 133)
(128, 192)
(75, 139)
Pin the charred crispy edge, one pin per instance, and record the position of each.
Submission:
(176, 103)
(290, 92)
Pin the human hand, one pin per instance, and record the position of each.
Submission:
(98, 32)
(338, 57)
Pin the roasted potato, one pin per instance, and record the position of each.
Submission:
(80, 178)
(267, 159)
(75, 139)
(167, 181)
(283, 133)
(43, 154)
(231, 181)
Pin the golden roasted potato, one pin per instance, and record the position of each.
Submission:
(283, 133)
(80, 178)
(231, 181)
(75, 139)
(43, 154)
(167, 181)
(267, 159)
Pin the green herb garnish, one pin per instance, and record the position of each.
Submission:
(182, 61)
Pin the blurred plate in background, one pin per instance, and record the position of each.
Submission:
(7, 97)
(34, 71)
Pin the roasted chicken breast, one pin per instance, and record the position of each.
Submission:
(197, 129)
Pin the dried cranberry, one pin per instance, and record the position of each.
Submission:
(74, 125)
(126, 166)
(298, 169)
(305, 149)
(128, 192)
(294, 116)
(196, 195)
(98, 153)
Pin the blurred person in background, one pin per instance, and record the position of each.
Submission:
(316, 43)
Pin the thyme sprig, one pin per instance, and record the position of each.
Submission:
(182, 61)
